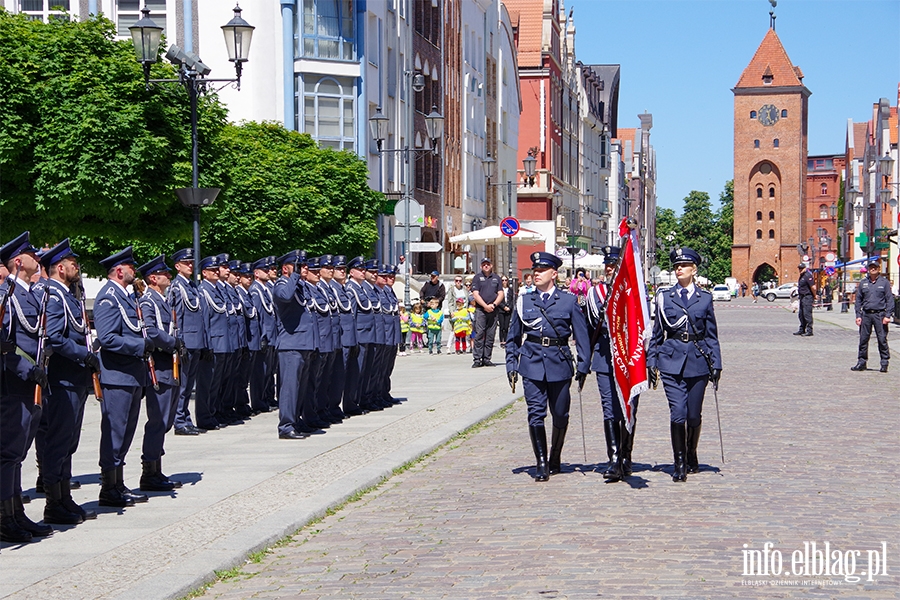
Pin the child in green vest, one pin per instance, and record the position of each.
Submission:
(417, 328)
(435, 318)
(460, 320)
(404, 329)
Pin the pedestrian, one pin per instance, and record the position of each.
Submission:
(619, 441)
(124, 357)
(459, 319)
(417, 328)
(433, 288)
(404, 329)
(754, 291)
(538, 349)
(434, 316)
(504, 311)
(806, 291)
(487, 289)
(684, 354)
(527, 284)
(874, 306)
(743, 289)
(580, 286)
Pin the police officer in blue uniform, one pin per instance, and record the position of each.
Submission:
(619, 441)
(250, 337)
(211, 373)
(297, 342)
(262, 366)
(359, 363)
(227, 413)
(185, 299)
(123, 375)
(370, 393)
(684, 350)
(70, 371)
(316, 399)
(874, 306)
(331, 388)
(346, 363)
(272, 373)
(18, 412)
(538, 348)
(162, 399)
(392, 333)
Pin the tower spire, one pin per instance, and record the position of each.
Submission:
(772, 16)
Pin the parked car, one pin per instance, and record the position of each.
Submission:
(721, 292)
(787, 290)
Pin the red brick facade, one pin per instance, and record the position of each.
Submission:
(770, 154)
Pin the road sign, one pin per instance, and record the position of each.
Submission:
(805, 258)
(415, 233)
(830, 257)
(416, 213)
(424, 247)
(509, 226)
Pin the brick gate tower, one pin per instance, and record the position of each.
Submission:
(770, 133)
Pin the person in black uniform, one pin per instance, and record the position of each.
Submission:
(806, 289)
(684, 353)
(538, 348)
(487, 289)
(874, 305)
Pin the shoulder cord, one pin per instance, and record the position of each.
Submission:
(21, 317)
(322, 310)
(235, 309)
(184, 298)
(329, 295)
(660, 310)
(213, 305)
(368, 306)
(533, 324)
(156, 312)
(135, 328)
(595, 303)
(374, 306)
(252, 313)
(706, 356)
(70, 316)
(268, 307)
(337, 298)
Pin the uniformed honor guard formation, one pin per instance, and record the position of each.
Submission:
(874, 307)
(326, 342)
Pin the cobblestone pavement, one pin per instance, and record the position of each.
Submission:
(812, 457)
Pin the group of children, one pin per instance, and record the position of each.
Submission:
(430, 322)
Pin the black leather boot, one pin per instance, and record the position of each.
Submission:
(610, 447)
(70, 504)
(615, 471)
(55, 511)
(859, 366)
(693, 437)
(679, 449)
(120, 485)
(109, 491)
(165, 477)
(151, 478)
(35, 529)
(10, 530)
(556, 446)
(539, 445)
(627, 445)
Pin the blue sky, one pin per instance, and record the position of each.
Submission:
(681, 58)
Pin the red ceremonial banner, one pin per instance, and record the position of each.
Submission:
(627, 318)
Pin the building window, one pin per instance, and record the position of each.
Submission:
(328, 110)
(771, 215)
(823, 190)
(759, 192)
(756, 143)
(771, 234)
(44, 10)
(784, 114)
(328, 29)
(128, 12)
(759, 215)
(772, 192)
(752, 114)
(775, 142)
(823, 211)
(759, 234)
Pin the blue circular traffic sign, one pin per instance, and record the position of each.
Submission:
(509, 226)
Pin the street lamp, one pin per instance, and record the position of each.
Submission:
(488, 164)
(434, 127)
(529, 163)
(146, 37)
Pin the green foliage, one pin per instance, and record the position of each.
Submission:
(284, 192)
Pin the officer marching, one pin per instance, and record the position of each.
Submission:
(538, 348)
(684, 350)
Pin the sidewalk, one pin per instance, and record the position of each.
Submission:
(243, 488)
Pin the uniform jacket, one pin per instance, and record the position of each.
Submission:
(874, 296)
(236, 328)
(388, 308)
(158, 320)
(262, 300)
(252, 329)
(297, 329)
(395, 315)
(671, 354)
(335, 314)
(66, 332)
(184, 298)
(20, 326)
(363, 310)
(320, 308)
(375, 299)
(551, 363)
(215, 316)
(595, 312)
(346, 305)
(120, 337)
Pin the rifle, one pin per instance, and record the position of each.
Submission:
(151, 364)
(42, 358)
(89, 343)
(176, 356)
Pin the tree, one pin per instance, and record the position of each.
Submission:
(667, 228)
(284, 192)
(85, 149)
(722, 236)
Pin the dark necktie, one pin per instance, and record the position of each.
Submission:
(544, 296)
(684, 295)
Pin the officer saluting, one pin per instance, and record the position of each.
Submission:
(123, 375)
(685, 350)
(538, 348)
(874, 305)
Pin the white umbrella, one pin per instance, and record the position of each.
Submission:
(491, 236)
